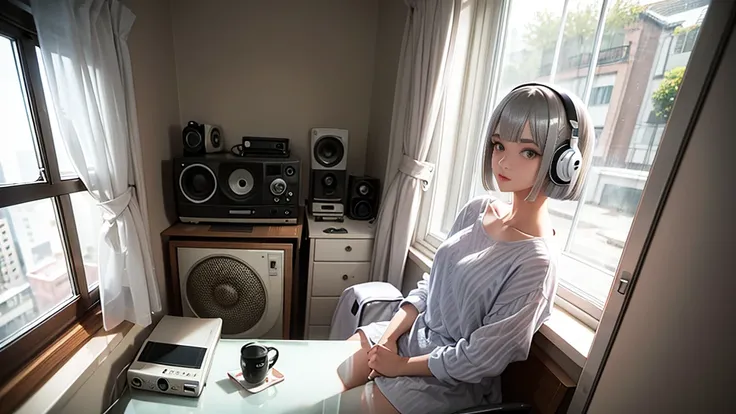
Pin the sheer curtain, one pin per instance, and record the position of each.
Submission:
(428, 43)
(87, 63)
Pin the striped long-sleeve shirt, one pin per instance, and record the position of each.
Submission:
(479, 308)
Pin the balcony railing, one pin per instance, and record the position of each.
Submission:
(605, 57)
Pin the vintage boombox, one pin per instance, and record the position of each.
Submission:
(226, 188)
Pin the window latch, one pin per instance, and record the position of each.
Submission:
(41, 176)
(623, 283)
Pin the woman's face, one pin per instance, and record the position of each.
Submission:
(515, 164)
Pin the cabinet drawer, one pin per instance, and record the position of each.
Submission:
(321, 310)
(319, 333)
(331, 278)
(343, 250)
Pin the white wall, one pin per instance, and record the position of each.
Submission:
(278, 68)
(674, 351)
(391, 20)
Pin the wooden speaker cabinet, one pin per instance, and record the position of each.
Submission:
(246, 275)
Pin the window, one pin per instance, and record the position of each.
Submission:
(600, 95)
(685, 41)
(50, 224)
(592, 231)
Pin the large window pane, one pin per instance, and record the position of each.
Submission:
(34, 275)
(635, 82)
(66, 170)
(528, 53)
(18, 158)
(633, 126)
(88, 219)
(642, 56)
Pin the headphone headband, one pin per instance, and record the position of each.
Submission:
(570, 113)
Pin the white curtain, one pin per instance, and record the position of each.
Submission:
(87, 63)
(428, 43)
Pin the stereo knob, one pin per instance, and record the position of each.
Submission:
(278, 187)
(289, 171)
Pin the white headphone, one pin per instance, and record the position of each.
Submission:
(567, 159)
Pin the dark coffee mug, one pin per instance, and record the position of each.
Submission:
(255, 363)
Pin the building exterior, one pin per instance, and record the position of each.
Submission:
(17, 303)
(631, 66)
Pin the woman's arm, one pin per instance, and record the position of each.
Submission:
(400, 323)
(504, 338)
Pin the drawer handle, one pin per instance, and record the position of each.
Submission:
(348, 249)
(344, 277)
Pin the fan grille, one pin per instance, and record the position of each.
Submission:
(227, 288)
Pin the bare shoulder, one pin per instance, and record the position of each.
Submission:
(477, 204)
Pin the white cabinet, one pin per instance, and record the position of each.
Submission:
(336, 262)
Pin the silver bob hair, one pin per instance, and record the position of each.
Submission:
(545, 113)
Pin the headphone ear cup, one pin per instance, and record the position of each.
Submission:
(557, 169)
(565, 164)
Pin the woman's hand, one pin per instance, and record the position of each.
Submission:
(388, 343)
(385, 362)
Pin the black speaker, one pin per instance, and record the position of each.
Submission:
(328, 185)
(200, 139)
(363, 196)
(328, 173)
(224, 188)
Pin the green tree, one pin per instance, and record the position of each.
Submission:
(580, 24)
(623, 14)
(664, 97)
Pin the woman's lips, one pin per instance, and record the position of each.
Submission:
(502, 177)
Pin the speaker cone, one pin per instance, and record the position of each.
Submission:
(197, 183)
(215, 137)
(364, 189)
(240, 182)
(193, 139)
(329, 184)
(362, 210)
(329, 151)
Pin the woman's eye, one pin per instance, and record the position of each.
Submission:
(498, 146)
(529, 154)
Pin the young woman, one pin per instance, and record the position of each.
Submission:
(494, 278)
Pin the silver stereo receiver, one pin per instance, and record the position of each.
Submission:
(177, 356)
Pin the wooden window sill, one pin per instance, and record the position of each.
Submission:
(24, 383)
